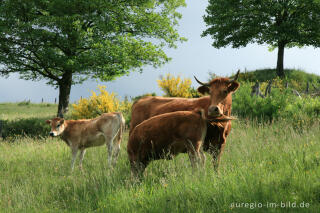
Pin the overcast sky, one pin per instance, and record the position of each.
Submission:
(194, 57)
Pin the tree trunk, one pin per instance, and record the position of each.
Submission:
(280, 71)
(64, 93)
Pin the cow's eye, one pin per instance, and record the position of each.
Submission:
(58, 125)
(225, 92)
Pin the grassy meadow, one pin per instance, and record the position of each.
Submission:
(265, 168)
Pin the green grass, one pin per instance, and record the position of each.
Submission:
(261, 164)
(22, 110)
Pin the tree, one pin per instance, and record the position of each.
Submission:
(279, 23)
(67, 42)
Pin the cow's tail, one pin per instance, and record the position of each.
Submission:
(122, 123)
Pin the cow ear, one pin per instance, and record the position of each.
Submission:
(204, 90)
(48, 121)
(233, 86)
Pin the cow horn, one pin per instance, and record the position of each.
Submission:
(236, 76)
(203, 84)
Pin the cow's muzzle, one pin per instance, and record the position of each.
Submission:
(51, 134)
(214, 111)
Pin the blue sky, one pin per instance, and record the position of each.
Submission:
(194, 57)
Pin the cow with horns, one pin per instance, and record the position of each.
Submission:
(217, 103)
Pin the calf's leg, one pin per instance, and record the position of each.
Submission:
(109, 143)
(74, 151)
(116, 154)
(193, 152)
(117, 142)
(82, 153)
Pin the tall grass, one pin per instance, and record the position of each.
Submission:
(262, 163)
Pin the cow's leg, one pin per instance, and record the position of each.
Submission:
(109, 143)
(82, 153)
(193, 153)
(203, 158)
(117, 142)
(222, 143)
(116, 154)
(219, 155)
(137, 168)
(74, 151)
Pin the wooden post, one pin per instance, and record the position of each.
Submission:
(268, 88)
(55, 100)
(256, 90)
(307, 89)
(42, 100)
(287, 85)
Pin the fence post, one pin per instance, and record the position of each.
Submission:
(55, 100)
(268, 88)
(307, 89)
(41, 100)
(256, 90)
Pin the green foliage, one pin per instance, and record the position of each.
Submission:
(237, 23)
(136, 98)
(27, 127)
(96, 39)
(281, 104)
(24, 103)
(277, 23)
(258, 160)
(296, 79)
(67, 42)
(21, 120)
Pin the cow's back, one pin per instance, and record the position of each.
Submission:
(150, 106)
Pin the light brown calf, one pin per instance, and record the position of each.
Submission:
(167, 135)
(81, 134)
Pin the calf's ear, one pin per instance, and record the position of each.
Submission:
(48, 121)
(203, 90)
(233, 86)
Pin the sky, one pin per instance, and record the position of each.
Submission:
(194, 57)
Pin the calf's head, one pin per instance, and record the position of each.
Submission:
(57, 126)
(220, 91)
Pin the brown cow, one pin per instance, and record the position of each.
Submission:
(81, 134)
(167, 135)
(219, 102)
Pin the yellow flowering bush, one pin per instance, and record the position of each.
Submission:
(100, 103)
(176, 86)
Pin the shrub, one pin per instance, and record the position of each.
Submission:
(136, 98)
(24, 103)
(176, 87)
(280, 104)
(104, 102)
(31, 127)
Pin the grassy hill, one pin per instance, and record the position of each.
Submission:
(297, 79)
(263, 75)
